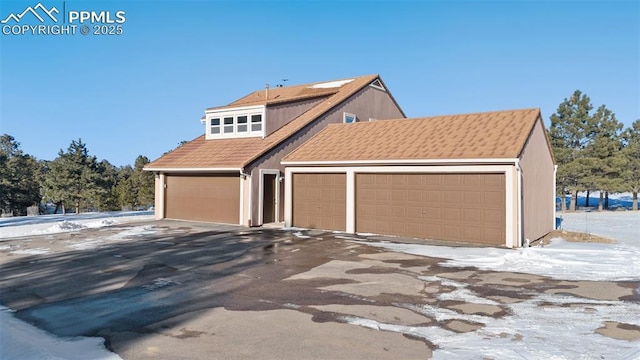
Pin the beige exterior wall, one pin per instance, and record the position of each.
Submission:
(538, 192)
(279, 115)
(159, 198)
(367, 103)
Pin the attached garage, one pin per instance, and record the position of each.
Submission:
(485, 178)
(319, 201)
(210, 197)
(456, 207)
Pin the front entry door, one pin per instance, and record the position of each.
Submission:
(269, 198)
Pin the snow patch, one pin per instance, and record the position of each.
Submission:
(36, 251)
(559, 260)
(136, 231)
(20, 340)
(22, 226)
(300, 235)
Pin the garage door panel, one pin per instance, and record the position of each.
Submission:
(458, 207)
(319, 201)
(212, 198)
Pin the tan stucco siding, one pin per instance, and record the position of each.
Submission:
(366, 103)
(537, 167)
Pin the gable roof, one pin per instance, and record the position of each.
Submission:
(237, 153)
(487, 135)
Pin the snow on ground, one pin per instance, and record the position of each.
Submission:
(560, 259)
(51, 224)
(530, 331)
(19, 340)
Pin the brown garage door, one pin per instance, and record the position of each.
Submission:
(457, 207)
(213, 198)
(319, 201)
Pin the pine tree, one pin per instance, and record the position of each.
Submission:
(570, 128)
(125, 189)
(19, 177)
(631, 155)
(107, 199)
(602, 155)
(144, 182)
(73, 178)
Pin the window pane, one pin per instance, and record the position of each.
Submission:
(242, 128)
(256, 122)
(242, 119)
(215, 130)
(215, 121)
(228, 121)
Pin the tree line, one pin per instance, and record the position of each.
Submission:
(74, 180)
(593, 151)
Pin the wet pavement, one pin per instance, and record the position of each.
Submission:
(203, 291)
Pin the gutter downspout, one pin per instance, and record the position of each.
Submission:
(519, 205)
(247, 176)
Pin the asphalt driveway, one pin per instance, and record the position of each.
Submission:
(182, 290)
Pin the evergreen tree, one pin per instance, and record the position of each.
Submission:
(19, 177)
(125, 189)
(107, 199)
(631, 154)
(571, 126)
(144, 182)
(73, 178)
(602, 155)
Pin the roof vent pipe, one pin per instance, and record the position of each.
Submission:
(266, 92)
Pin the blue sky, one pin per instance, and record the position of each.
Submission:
(142, 92)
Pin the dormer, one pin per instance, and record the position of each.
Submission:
(235, 122)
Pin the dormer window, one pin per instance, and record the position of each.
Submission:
(235, 122)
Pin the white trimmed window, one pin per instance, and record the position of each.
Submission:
(235, 122)
(349, 118)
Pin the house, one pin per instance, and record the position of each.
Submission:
(232, 173)
(487, 178)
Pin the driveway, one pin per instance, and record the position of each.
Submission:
(183, 290)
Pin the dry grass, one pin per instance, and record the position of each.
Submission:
(574, 236)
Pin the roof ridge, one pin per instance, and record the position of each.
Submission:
(361, 123)
(328, 92)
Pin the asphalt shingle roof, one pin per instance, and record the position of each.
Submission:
(237, 153)
(487, 135)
